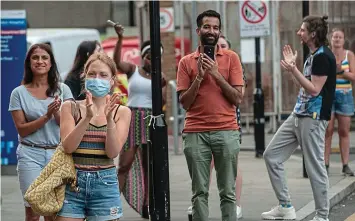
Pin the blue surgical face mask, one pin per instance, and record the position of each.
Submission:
(97, 87)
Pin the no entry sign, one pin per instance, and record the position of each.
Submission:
(254, 18)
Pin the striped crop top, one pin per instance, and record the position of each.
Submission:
(341, 82)
(91, 151)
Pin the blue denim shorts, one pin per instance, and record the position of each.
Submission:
(30, 163)
(343, 103)
(97, 199)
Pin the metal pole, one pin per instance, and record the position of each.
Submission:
(218, 7)
(259, 118)
(277, 9)
(175, 110)
(193, 24)
(159, 198)
(224, 18)
(182, 27)
(305, 12)
(276, 73)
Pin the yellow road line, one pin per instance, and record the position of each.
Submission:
(351, 218)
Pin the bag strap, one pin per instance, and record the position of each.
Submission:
(74, 110)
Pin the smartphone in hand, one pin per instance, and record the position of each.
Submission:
(209, 50)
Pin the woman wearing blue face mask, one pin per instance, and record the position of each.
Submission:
(94, 131)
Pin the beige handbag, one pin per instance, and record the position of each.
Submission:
(46, 194)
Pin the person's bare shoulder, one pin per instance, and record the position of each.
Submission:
(124, 111)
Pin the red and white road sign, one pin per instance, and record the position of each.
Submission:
(254, 18)
(167, 20)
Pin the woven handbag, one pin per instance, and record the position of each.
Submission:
(46, 194)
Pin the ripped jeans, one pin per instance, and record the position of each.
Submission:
(98, 196)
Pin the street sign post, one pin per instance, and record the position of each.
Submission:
(254, 22)
(305, 12)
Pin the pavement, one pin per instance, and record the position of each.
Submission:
(345, 210)
(257, 193)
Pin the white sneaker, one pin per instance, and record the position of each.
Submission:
(316, 218)
(280, 213)
(239, 212)
(189, 210)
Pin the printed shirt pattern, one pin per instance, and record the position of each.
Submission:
(308, 105)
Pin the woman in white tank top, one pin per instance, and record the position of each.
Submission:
(133, 163)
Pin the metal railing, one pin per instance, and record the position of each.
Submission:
(177, 118)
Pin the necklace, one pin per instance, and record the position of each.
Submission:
(98, 113)
(146, 72)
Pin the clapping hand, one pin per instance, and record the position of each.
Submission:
(289, 56)
(111, 102)
(89, 111)
(54, 107)
(289, 62)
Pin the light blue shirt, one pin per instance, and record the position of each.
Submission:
(34, 108)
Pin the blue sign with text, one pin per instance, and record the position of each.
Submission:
(13, 52)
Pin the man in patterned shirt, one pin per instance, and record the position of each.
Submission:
(307, 124)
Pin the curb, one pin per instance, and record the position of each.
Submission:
(336, 194)
(335, 149)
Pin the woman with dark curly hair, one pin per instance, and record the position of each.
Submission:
(35, 109)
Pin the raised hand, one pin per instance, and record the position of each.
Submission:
(89, 111)
(53, 107)
(119, 29)
(289, 56)
(111, 102)
(288, 66)
(59, 104)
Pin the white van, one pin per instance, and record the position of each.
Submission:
(64, 43)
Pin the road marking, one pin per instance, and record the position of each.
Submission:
(351, 218)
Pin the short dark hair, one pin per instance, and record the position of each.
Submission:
(208, 13)
(319, 25)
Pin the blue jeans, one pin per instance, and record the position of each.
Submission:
(30, 163)
(98, 198)
(343, 103)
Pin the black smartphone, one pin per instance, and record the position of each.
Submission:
(209, 50)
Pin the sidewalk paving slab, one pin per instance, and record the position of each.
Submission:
(257, 193)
